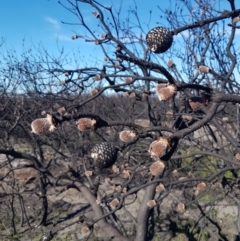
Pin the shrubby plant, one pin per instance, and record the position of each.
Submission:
(148, 136)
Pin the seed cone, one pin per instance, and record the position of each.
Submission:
(237, 156)
(97, 77)
(187, 117)
(104, 155)
(196, 102)
(160, 188)
(85, 124)
(204, 69)
(127, 135)
(128, 80)
(158, 148)
(43, 126)
(171, 63)
(165, 91)
(132, 95)
(180, 208)
(157, 168)
(94, 92)
(151, 203)
(201, 186)
(85, 230)
(159, 39)
(113, 204)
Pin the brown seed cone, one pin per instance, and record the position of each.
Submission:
(124, 190)
(180, 208)
(61, 110)
(127, 135)
(165, 93)
(125, 94)
(132, 95)
(85, 230)
(157, 168)
(113, 204)
(98, 200)
(196, 102)
(118, 188)
(187, 117)
(201, 186)
(115, 169)
(97, 77)
(125, 173)
(171, 63)
(225, 119)
(204, 69)
(160, 188)
(94, 92)
(151, 203)
(88, 173)
(196, 192)
(128, 80)
(158, 148)
(43, 125)
(160, 86)
(43, 113)
(117, 64)
(237, 156)
(169, 114)
(107, 180)
(236, 19)
(85, 124)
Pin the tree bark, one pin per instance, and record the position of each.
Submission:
(143, 214)
(110, 232)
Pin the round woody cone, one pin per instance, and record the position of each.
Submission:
(157, 168)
